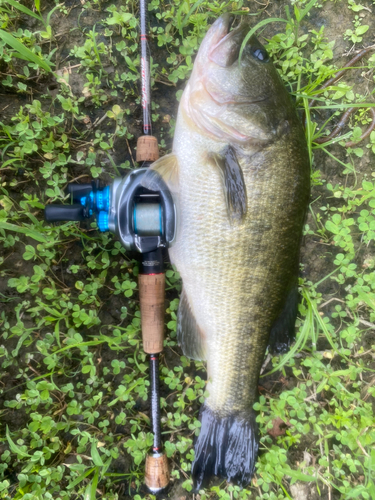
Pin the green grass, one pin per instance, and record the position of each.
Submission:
(74, 380)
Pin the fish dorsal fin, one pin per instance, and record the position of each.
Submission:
(189, 335)
(233, 184)
(168, 169)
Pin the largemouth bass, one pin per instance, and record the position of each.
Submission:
(240, 173)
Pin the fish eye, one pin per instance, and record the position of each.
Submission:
(260, 54)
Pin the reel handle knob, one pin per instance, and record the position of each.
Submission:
(58, 213)
(78, 190)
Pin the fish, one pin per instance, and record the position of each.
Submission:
(239, 172)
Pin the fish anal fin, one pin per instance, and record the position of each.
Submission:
(167, 168)
(233, 183)
(283, 330)
(189, 335)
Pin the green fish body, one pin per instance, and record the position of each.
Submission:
(240, 174)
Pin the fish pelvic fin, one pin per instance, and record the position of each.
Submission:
(226, 447)
(167, 168)
(189, 335)
(233, 184)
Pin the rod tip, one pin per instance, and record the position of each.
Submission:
(157, 472)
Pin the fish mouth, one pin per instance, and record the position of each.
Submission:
(225, 51)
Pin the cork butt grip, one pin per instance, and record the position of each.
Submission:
(157, 472)
(147, 148)
(151, 297)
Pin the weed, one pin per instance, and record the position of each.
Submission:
(74, 387)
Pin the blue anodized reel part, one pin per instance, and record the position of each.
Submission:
(103, 203)
(103, 221)
(99, 202)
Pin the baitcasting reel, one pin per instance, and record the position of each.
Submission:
(143, 220)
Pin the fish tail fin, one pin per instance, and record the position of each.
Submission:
(226, 447)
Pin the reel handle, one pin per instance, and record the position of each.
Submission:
(58, 213)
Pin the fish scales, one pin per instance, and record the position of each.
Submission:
(239, 172)
(226, 270)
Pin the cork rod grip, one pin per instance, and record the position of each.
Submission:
(157, 472)
(151, 298)
(147, 148)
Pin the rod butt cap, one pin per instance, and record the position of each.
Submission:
(157, 472)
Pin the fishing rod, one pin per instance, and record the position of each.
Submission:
(151, 280)
(145, 221)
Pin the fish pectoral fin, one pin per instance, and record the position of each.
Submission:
(189, 335)
(233, 184)
(168, 169)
